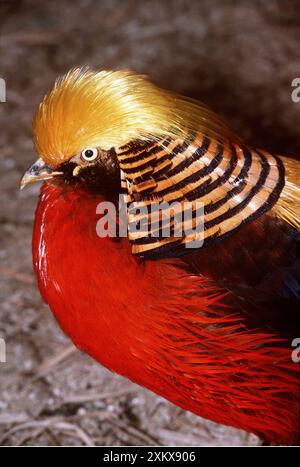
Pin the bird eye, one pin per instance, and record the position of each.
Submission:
(89, 154)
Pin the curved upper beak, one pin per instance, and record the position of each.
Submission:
(37, 172)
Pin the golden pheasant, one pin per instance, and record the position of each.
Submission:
(209, 325)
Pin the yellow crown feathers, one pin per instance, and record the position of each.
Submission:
(112, 108)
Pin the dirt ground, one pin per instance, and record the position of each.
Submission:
(239, 58)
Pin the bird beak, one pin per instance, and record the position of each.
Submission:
(37, 172)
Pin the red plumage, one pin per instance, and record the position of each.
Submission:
(164, 324)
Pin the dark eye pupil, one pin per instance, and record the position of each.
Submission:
(89, 153)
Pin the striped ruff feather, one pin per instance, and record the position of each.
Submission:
(236, 184)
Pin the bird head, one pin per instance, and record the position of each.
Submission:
(88, 116)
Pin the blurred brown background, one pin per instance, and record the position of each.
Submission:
(237, 56)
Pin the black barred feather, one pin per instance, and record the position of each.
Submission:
(236, 185)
